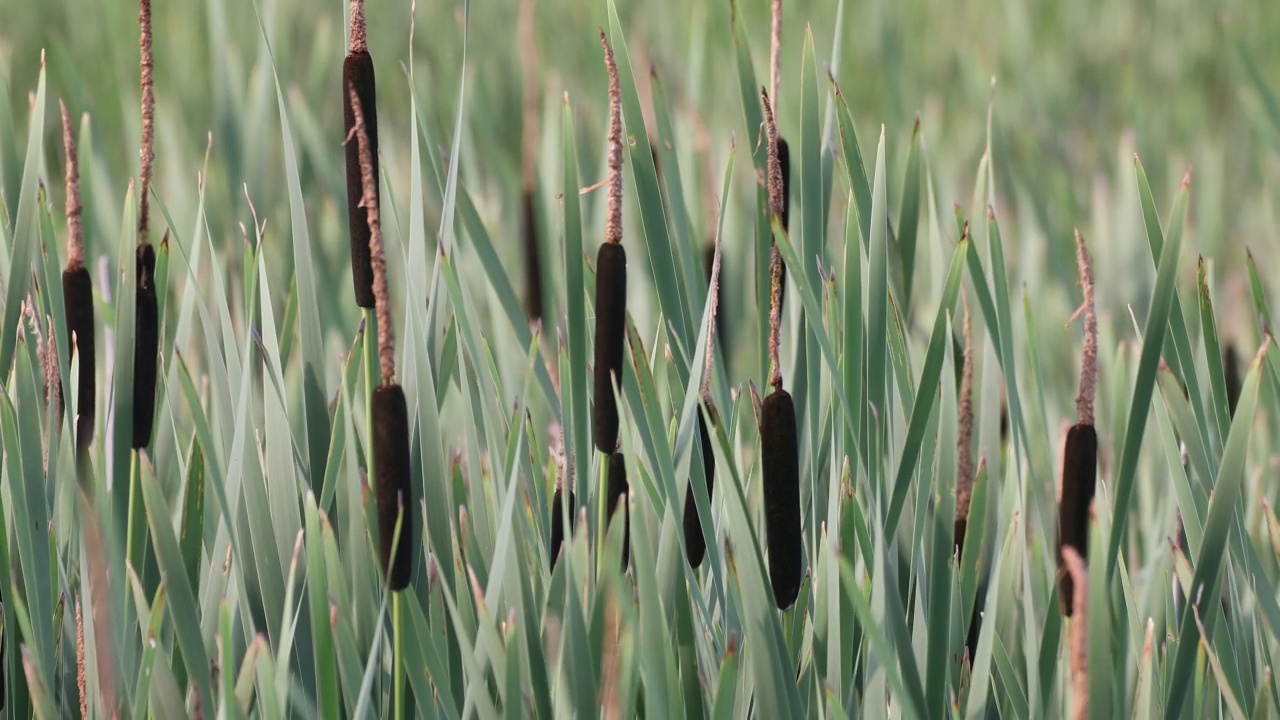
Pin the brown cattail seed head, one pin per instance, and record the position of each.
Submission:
(617, 499)
(1079, 478)
(1079, 642)
(77, 296)
(784, 167)
(377, 256)
(558, 520)
(1231, 370)
(391, 470)
(146, 348)
(532, 257)
(781, 463)
(611, 319)
(694, 540)
(357, 77)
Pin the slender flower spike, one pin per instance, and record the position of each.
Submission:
(77, 295)
(357, 76)
(964, 438)
(1080, 455)
(389, 411)
(611, 280)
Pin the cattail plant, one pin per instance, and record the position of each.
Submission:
(611, 278)
(528, 145)
(778, 446)
(390, 416)
(357, 77)
(1080, 455)
(617, 497)
(147, 313)
(558, 513)
(77, 293)
(779, 151)
(964, 437)
(694, 541)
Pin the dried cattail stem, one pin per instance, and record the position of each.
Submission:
(1231, 369)
(146, 348)
(613, 227)
(358, 78)
(781, 464)
(1079, 478)
(618, 496)
(392, 470)
(75, 229)
(557, 521)
(1079, 643)
(964, 437)
(1089, 355)
(148, 118)
(777, 269)
(377, 257)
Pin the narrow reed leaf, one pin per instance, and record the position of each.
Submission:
(780, 460)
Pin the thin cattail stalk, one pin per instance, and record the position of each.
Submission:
(377, 257)
(148, 118)
(358, 78)
(777, 269)
(1079, 642)
(611, 280)
(964, 436)
(1089, 355)
(75, 228)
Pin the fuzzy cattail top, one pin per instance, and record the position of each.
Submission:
(356, 42)
(1089, 355)
(776, 206)
(378, 260)
(613, 226)
(75, 229)
(148, 117)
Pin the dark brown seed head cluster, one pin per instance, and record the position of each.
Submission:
(146, 348)
(558, 528)
(358, 77)
(618, 495)
(391, 467)
(694, 540)
(781, 463)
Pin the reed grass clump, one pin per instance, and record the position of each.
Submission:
(611, 280)
(1080, 454)
(77, 295)
(358, 77)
